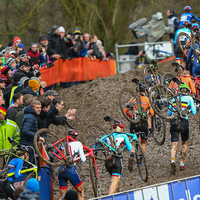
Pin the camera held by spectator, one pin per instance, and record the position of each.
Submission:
(141, 59)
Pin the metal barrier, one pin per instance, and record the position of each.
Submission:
(164, 50)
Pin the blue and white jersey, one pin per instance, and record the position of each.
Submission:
(185, 30)
(187, 17)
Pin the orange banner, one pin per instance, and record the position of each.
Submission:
(78, 69)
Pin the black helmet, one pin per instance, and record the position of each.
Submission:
(72, 132)
(142, 86)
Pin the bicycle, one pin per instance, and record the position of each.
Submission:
(131, 101)
(63, 156)
(104, 151)
(7, 154)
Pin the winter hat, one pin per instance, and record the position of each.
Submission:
(77, 30)
(98, 42)
(33, 185)
(10, 60)
(35, 78)
(17, 76)
(2, 78)
(36, 73)
(41, 38)
(34, 84)
(23, 64)
(23, 79)
(21, 45)
(3, 110)
(22, 55)
(71, 195)
(16, 39)
(5, 70)
(61, 29)
(54, 27)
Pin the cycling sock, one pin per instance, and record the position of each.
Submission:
(182, 163)
(132, 155)
(172, 160)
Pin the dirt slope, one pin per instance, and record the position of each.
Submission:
(98, 98)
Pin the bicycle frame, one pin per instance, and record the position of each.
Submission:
(62, 156)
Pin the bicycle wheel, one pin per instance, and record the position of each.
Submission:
(141, 161)
(93, 176)
(31, 175)
(49, 148)
(161, 98)
(131, 102)
(149, 77)
(95, 132)
(166, 78)
(184, 42)
(196, 47)
(158, 129)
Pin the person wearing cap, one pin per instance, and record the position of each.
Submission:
(8, 73)
(24, 70)
(31, 191)
(32, 88)
(11, 62)
(8, 128)
(50, 94)
(178, 52)
(16, 41)
(53, 38)
(65, 42)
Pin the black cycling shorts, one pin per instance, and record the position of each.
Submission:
(114, 168)
(8, 188)
(141, 126)
(178, 51)
(181, 127)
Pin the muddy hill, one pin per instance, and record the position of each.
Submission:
(96, 99)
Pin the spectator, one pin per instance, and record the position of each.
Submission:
(42, 118)
(87, 39)
(19, 48)
(101, 48)
(31, 191)
(2, 83)
(71, 195)
(54, 44)
(23, 57)
(8, 129)
(12, 110)
(95, 54)
(11, 62)
(172, 21)
(73, 51)
(32, 88)
(56, 106)
(65, 42)
(24, 70)
(16, 41)
(50, 94)
(8, 73)
(18, 191)
(28, 98)
(29, 126)
(2, 102)
(142, 59)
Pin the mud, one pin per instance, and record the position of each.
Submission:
(98, 98)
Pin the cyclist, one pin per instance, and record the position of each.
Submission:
(141, 126)
(178, 51)
(69, 173)
(114, 164)
(182, 126)
(15, 165)
(180, 70)
(187, 16)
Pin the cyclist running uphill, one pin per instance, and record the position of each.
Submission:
(69, 173)
(180, 125)
(142, 125)
(114, 164)
(178, 52)
(180, 70)
(15, 165)
(187, 16)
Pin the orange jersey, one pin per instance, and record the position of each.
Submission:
(185, 79)
(145, 103)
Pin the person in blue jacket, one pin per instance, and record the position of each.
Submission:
(15, 165)
(180, 127)
(187, 16)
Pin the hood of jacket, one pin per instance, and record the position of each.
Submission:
(28, 90)
(27, 194)
(20, 107)
(30, 110)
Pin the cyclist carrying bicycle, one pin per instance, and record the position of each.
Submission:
(141, 126)
(114, 164)
(69, 173)
(180, 126)
(15, 165)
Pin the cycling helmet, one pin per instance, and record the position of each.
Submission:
(184, 87)
(186, 22)
(154, 63)
(142, 86)
(179, 66)
(187, 8)
(118, 123)
(195, 25)
(72, 133)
